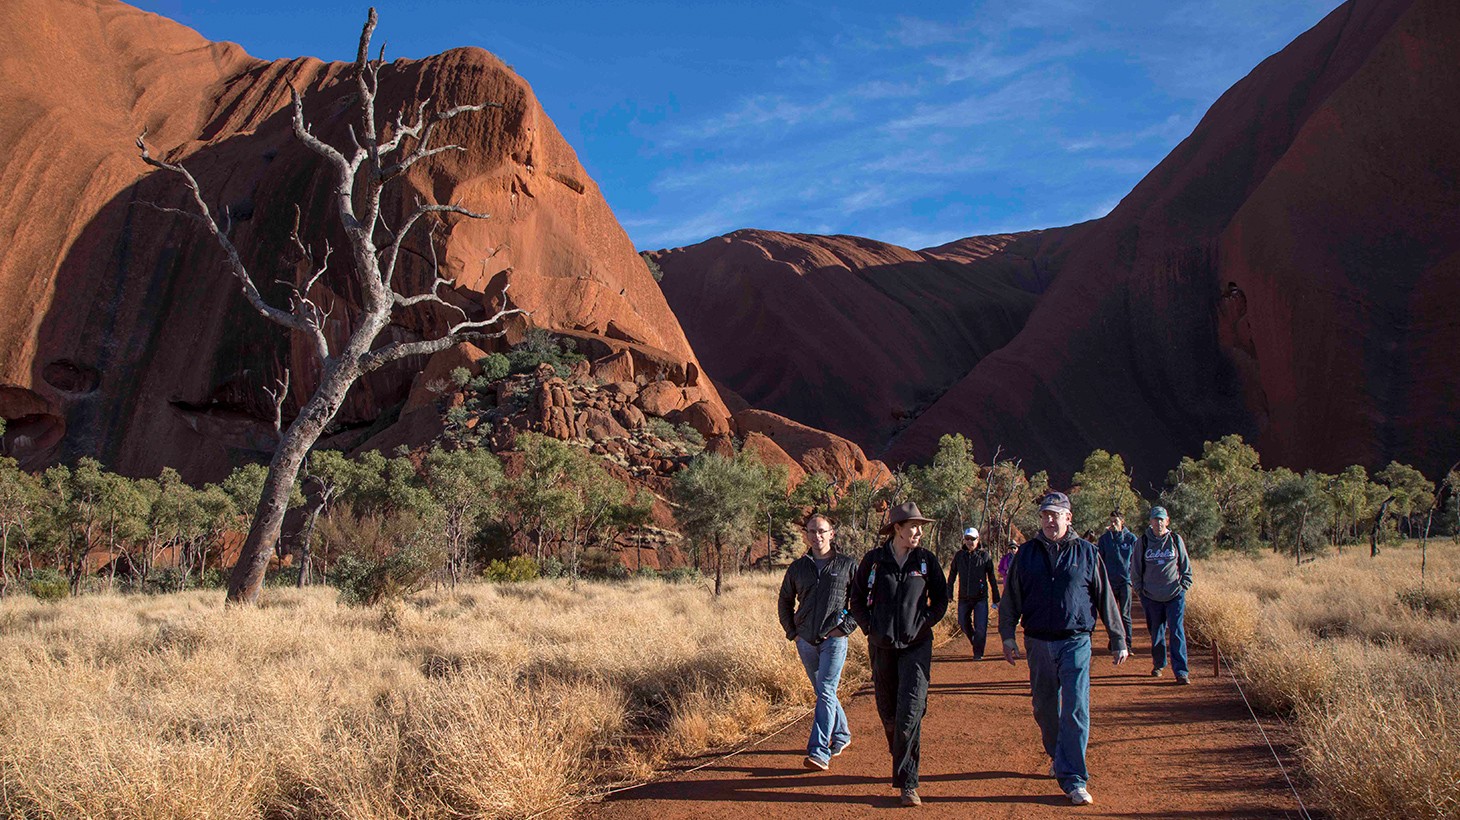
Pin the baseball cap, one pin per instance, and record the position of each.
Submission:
(971, 532)
(1159, 512)
(1055, 501)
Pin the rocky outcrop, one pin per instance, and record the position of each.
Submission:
(848, 334)
(1322, 185)
(816, 451)
(123, 338)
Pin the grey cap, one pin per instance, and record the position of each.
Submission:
(1055, 501)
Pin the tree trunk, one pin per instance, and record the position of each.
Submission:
(247, 577)
(719, 566)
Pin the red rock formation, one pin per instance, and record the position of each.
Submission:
(122, 337)
(848, 334)
(815, 450)
(1323, 185)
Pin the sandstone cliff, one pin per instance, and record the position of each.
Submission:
(122, 336)
(1323, 185)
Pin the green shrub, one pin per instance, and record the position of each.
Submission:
(683, 575)
(284, 577)
(48, 585)
(539, 347)
(654, 269)
(516, 569)
(690, 436)
(648, 574)
(166, 580)
(212, 578)
(495, 367)
(460, 376)
(364, 581)
(481, 384)
(659, 428)
(551, 567)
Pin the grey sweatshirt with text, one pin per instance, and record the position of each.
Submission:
(1160, 568)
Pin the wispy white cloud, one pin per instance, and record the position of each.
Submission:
(1019, 99)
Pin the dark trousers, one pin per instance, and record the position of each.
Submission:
(900, 680)
(1122, 598)
(973, 619)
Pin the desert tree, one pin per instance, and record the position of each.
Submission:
(378, 155)
(947, 488)
(19, 501)
(1103, 486)
(464, 484)
(721, 501)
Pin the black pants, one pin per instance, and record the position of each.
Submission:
(900, 679)
(1122, 599)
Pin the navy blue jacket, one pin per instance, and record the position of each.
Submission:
(1116, 549)
(1057, 590)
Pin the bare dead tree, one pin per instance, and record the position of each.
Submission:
(376, 158)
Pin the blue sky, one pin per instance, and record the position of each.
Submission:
(909, 123)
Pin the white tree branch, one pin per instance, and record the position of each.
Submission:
(204, 217)
(461, 332)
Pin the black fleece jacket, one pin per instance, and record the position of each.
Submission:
(898, 606)
(822, 597)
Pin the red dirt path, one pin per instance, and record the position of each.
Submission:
(1157, 750)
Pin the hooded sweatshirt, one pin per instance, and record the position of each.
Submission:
(1160, 567)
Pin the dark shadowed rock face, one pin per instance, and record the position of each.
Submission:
(848, 334)
(1324, 185)
(123, 338)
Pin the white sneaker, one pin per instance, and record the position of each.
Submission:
(1080, 796)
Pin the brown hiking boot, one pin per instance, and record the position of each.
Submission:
(910, 797)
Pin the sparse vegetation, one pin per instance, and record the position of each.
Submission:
(1362, 661)
(494, 701)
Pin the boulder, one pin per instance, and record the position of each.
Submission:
(703, 417)
(771, 455)
(631, 417)
(552, 411)
(618, 367)
(660, 398)
(599, 425)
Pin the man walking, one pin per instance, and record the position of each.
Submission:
(1117, 546)
(972, 574)
(898, 594)
(814, 611)
(1056, 587)
(1162, 575)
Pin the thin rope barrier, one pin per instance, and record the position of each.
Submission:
(1303, 809)
(597, 796)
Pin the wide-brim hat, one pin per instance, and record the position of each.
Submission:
(906, 511)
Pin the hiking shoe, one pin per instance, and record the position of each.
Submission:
(978, 656)
(813, 763)
(910, 797)
(1183, 680)
(842, 748)
(1080, 796)
(1156, 673)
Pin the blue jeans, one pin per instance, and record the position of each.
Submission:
(1059, 677)
(973, 619)
(1167, 619)
(823, 664)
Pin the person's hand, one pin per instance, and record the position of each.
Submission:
(1120, 657)
(1011, 653)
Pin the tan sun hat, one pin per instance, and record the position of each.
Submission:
(906, 511)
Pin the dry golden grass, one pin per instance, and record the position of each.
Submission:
(1365, 664)
(497, 701)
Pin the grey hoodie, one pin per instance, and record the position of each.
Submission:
(1161, 568)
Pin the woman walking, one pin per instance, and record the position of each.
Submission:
(898, 594)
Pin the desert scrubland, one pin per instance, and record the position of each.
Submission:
(497, 701)
(1361, 660)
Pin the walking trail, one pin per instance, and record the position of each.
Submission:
(1157, 750)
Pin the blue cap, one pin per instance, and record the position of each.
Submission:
(1055, 501)
(1159, 512)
